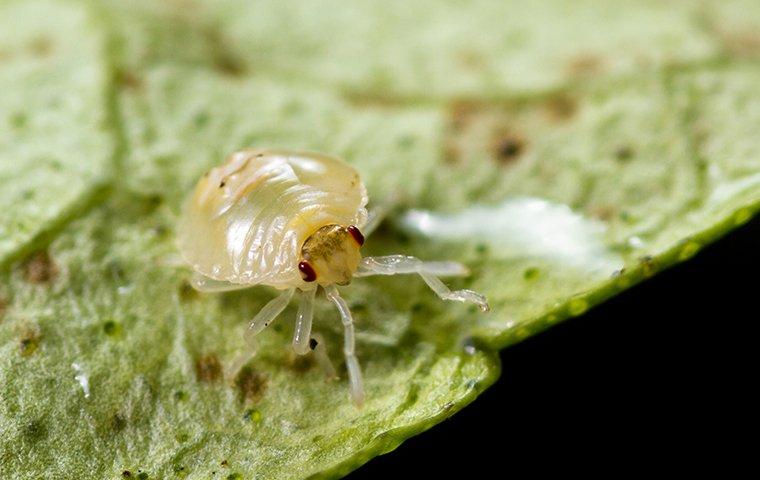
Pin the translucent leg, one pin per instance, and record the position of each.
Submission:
(209, 285)
(267, 314)
(429, 271)
(262, 320)
(302, 333)
(355, 383)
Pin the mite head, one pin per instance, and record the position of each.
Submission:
(331, 255)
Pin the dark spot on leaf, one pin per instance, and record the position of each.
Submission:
(153, 201)
(208, 368)
(461, 113)
(178, 468)
(251, 384)
(585, 65)
(187, 292)
(41, 46)
(35, 431)
(741, 42)
(235, 476)
(112, 328)
(129, 80)
(507, 148)
(471, 59)
(531, 273)
(417, 307)
(40, 268)
(313, 343)
(300, 363)
(451, 153)
(180, 395)
(229, 64)
(561, 108)
(222, 184)
(126, 474)
(142, 476)
(648, 265)
(29, 340)
(118, 422)
(370, 99)
(225, 60)
(224, 463)
(603, 212)
(624, 153)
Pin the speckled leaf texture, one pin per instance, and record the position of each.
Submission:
(562, 150)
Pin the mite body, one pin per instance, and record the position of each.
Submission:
(293, 221)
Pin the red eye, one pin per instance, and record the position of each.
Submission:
(307, 272)
(356, 234)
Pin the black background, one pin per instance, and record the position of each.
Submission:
(662, 374)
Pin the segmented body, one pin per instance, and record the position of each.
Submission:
(292, 220)
(248, 218)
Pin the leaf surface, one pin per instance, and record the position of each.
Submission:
(557, 192)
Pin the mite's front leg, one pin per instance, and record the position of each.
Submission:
(262, 320)
(302, 333)
(429, 271)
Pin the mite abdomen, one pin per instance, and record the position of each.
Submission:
(248, 218)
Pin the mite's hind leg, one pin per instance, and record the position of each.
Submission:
(429, 271)
(262, 320)
(205, 284)
(355, 383)
(302, 333)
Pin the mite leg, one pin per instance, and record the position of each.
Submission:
(429, 271)
(205, 284)
(302, 333)
(262, 320)
(355, 383)
(267, 314)
(317, 343)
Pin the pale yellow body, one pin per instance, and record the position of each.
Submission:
(248, 219)
(292, 220)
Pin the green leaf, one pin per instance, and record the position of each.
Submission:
(55, 151)
(110, 362)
